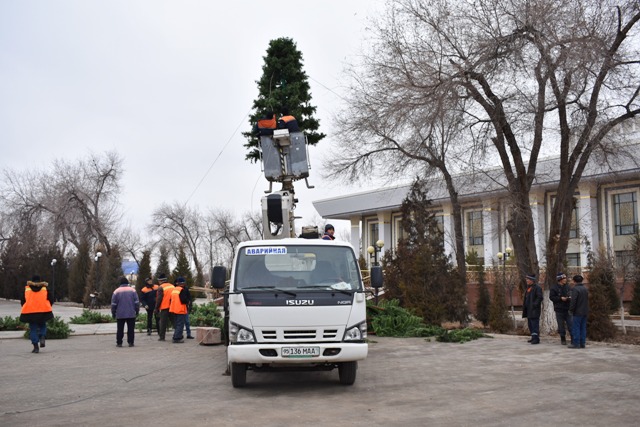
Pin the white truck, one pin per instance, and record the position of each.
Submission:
(295, 304)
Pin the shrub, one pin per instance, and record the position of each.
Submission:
(498, 318)
(206, 315)
(460, 335)
(90, 316)
(56, 329)
(599, 324)
(9, 323)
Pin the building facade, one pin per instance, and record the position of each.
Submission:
(605, 213)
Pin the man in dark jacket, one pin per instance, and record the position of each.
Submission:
(124, 308)
(532, 307)
(579, 309)
(329, 231)
(560, 294)
(148, 301)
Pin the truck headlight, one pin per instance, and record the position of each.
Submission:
(240, 335)
(356, 333)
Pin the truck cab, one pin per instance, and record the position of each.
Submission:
(294, 304)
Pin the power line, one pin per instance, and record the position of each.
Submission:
(217, 157)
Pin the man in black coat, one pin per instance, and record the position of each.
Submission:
(532, 307)
(579, 309)
(560, 294)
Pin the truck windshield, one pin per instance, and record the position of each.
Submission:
(300, 267)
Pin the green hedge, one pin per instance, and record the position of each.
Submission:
(90, 316)
(56, 329)
(9, 323)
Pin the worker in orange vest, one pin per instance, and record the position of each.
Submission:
(266, 124)
(36, 310)
(148, 299)
(287, 121)
(163, 300)
(179, 299)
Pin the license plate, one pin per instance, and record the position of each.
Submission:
(300, 351)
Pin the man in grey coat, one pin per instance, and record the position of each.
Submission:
(124, 308)
(579, 309)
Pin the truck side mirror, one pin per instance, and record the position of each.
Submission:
(376, 276)
(218, 277)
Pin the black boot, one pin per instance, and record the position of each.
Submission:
(563, 340)
(535, 339)
(42, 341)
(36, 349)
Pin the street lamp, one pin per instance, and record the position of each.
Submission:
(97, 258)
(53, 278)
(373, 251)
(131, 279)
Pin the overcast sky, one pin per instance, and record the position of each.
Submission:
(166, 84)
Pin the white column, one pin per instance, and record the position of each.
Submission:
(536, 201)
(355, 235)
(384, 231)
(449, 234)
(588, 219)
(490, 230)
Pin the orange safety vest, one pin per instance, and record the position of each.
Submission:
(287, 119)
(267, 123)
(177, 307)
(147, 289)
(35, 302)
(166, 295)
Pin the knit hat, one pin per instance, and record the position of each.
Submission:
(561, 276)
(578, 278)
(328, 227)
(531, 277)
(180, 281)
(162, 277)
(124, 281)
(35, 278)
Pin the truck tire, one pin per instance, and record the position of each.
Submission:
(347, 372)
(238, 374)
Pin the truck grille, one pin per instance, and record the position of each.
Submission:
(300, 334)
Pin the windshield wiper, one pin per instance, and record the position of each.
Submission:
(273, 288)
(327, 287)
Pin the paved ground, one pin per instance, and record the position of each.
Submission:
(86, 380)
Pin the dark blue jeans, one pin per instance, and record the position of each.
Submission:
(187, 324)
(579, 335)
(180, 321)
(37, 330)
(563, 318)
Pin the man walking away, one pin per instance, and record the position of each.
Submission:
(560, 294)
(125, 307)
(36, 310)
(532, 307)
(579, 309)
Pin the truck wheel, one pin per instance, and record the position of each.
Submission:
(347, 372)
(238, 374)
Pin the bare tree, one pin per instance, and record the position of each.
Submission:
(73, 199)
(178, 222)
(520, 73)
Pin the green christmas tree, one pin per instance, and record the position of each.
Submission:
(144, 270)
(163, 263)
(79, 274)
(283, 85)
(182, 267)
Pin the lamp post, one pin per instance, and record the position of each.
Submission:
(53, 278)
(131, 279)
(97, 258)
(373, 251)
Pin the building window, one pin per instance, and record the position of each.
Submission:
(373, 233)
(624, 262)
(474, 228)
(573, 260)
(625, 213)
(574, 230)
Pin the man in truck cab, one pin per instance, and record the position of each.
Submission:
(329, 231)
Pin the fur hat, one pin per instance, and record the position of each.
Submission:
(531, 277)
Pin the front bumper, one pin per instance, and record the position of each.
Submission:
(271, 353)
